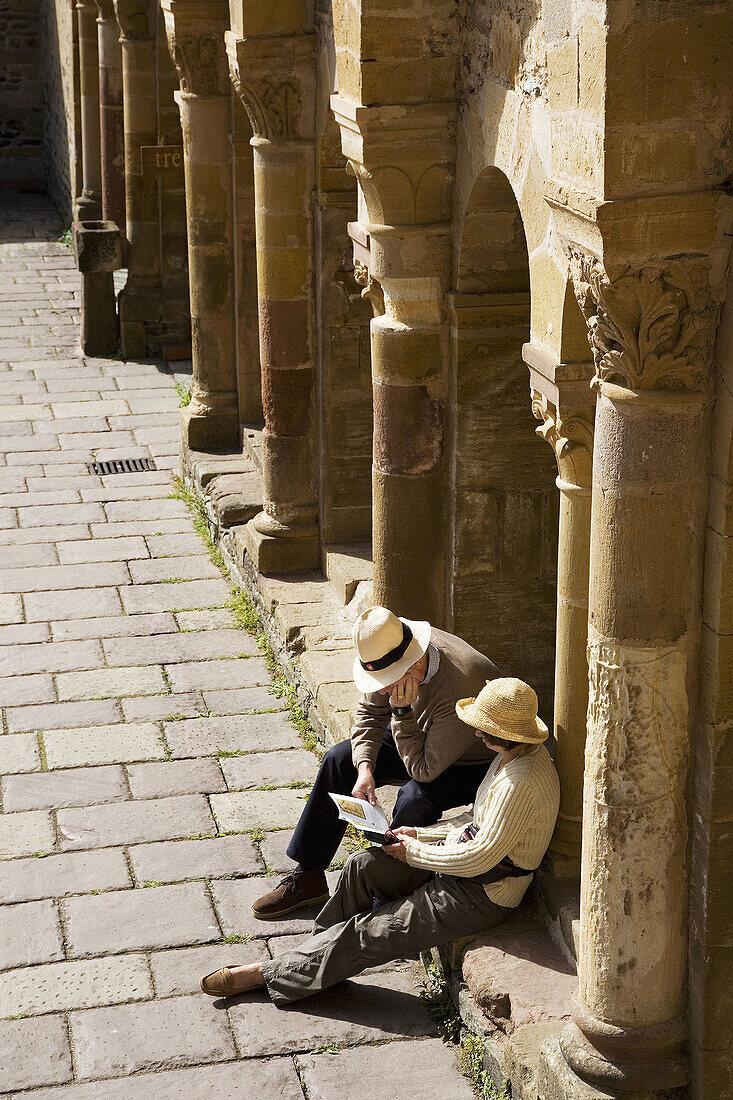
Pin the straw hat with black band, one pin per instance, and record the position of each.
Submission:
(386, 647)
(505, 708)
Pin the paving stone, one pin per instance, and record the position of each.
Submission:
(24, 535)
(232, 734)
(24, 412)
(180, 971)
(55, 876)
(75, 787)
(24, 834)
(404, 1070)
(16, 690)
(269, 769)
(110, 682)
(83, 409)
(25, 498)
(113, 626)
(34, 1053)
(156, 708)
(38, 553)
(11, 609)
(169, 648)
(177, 860)
(103, 550)
(175, 777)
(178, 1031)
(166, 546)
(191, 567)
(30, 933)
(19, 753)
(118, 743)
(273, 851)
(171, 597)
(52, 578)
(61, 986)
(48, 716)
(153, 511)
(127, 920)
(224, 673)
(233, 899)
(19, 660)
(384, 1005)
(179, 525)
(241, 700)
(257, 809)
(135, 822)
(23, 633)
(43, 606)
(46, 515)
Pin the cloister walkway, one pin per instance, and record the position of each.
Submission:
(149, 775)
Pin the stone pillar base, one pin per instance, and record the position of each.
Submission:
(132, 340)
(292, 553)
(98, 315)
(629, 1060)
(556, 1081)
(210, 430)
(88, 206)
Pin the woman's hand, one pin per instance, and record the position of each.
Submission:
(405, 831)
(397, 851)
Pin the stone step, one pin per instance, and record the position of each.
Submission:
(558, 905)
(347, 567)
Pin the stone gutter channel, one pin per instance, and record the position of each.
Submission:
(507, 996)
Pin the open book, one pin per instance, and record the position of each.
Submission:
(368, 819)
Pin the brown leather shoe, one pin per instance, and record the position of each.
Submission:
(220, 983)
(296, 889)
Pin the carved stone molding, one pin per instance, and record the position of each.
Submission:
(571, 437)
(649, 329)
(135, 18)
(275, 80)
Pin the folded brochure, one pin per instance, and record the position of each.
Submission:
(368, 819)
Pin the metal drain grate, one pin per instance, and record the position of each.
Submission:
(121, 466)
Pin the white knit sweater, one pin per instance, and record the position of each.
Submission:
(515, 812)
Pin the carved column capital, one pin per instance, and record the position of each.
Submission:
(570, 434)
(195, 30)
(372, 291)
(105, 10)
(136, 19)
(274, 76)
(650, 328)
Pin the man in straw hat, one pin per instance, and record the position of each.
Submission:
(406, 731)
(434, 885)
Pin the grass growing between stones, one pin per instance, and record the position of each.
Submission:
(197, 508)
(440, 1004)
(184, 394)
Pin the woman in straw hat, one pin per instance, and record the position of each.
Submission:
(436, 884)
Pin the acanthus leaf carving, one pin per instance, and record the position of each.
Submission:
(650, 328)
(283, 104)
(200, 61)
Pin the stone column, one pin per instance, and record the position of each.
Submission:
(648, 334)
(111, 119)
(410, 356)
(89, 203)
(276, 81)
(195, 34)
(139, 301)
(560, 400)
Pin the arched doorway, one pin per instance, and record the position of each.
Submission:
(505, 503)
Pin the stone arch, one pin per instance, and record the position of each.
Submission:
(504, 561)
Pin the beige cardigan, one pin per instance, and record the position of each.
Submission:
(431, 736)
(515, 812)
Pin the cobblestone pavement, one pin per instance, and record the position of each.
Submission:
(145, 765)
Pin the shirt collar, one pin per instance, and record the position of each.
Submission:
(433, 663)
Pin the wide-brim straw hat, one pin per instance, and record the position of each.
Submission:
(505, 708)
(386, 646)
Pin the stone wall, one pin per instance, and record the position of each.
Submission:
(21, 100)
(61, 137)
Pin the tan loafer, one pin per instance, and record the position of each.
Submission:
(220, 983)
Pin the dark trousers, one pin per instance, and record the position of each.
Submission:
(319, 831)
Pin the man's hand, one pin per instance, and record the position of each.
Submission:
(364, 787)
(404, 692)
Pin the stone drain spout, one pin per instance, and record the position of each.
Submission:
(98, 252)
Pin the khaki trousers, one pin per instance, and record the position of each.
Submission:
(416, 910)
